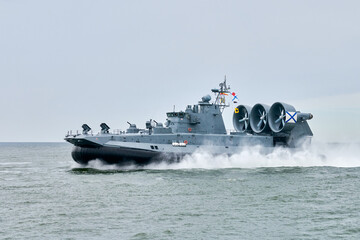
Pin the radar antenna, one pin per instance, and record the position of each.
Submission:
(223, 91)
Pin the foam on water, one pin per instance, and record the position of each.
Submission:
(317, 154)
(335, 155)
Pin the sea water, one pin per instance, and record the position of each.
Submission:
(308, 194)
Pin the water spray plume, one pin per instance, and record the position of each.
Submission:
(318, 154)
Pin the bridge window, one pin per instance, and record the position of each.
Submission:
(175, 114)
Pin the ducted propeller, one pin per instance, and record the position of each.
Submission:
(259, 118)
(241, 120)
(277, 117)
(280, 121)
(245, 120)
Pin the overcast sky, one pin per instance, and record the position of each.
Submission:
(65, 63)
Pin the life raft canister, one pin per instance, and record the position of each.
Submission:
(185, 141)
(189, 129)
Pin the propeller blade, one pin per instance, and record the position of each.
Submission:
(241, 120)
(246, 125)
(282, 114)
(278, 120)
(280, 125)
(259, 124)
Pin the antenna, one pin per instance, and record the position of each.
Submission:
(221, 93)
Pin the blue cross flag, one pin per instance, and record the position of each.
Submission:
(291, 117)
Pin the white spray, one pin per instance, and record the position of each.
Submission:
(317, 154)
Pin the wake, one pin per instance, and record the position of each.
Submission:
(317, 154)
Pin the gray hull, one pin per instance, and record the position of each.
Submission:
(121, 150)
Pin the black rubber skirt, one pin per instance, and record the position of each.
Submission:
(114, 155)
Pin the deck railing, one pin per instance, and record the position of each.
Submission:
(75, 133)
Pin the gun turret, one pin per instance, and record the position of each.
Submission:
(85, 128)
(104, 128)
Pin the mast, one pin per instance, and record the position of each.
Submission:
(221, 93)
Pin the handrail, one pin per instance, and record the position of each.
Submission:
(75, 133)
